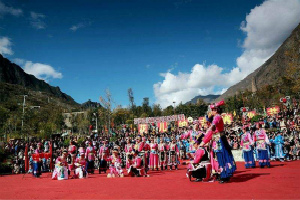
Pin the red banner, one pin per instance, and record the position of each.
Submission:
(273, 110)
(251, 114)
(227, 118)
(163, 127)
(183, 123)
(202, 121)
(143, 128)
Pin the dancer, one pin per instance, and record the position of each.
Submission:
(103, 156)
(129, 152)
(173, 155)
(200, 167)
(261, 139)
(279, 147)
(37, 158)
(115, 165)
(90, 157)
(162, 151)
(153, 155)
(146, 156)
(80, 164)
(137, 167)
(61, 171)
(221, 150)
(246, 145)
(72, 156)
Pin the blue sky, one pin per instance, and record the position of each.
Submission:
(93, 45)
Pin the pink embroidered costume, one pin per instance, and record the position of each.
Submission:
(261, 139)
(136, 167)
(103, 156)
(61, 171)
(90, 157)
(153, 156)
(162, 151)
(115, 166)
(129, 152)
(246, 144)
(221, 151)
(200, 167)
(80, 164)
(146, 156)
(72, 155)
(173, 155)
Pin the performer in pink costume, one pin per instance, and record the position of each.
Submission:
(72, 150)
(139, 145)
(80, 164)
(129, 152)
(162, 151)
(136, 167)
(115, 165)
(200, 167)
(90, 157)
(61, 171)
(146, 156)
(221, 149)
(153, 155)
(103, 156)
(246, 145)
(261, 139)
(173, 154)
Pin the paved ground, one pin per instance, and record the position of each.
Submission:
(282, 181)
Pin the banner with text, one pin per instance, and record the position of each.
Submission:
(147, 120)
(143, 128)
(251, 114)
(163, 127)
(273, 110)
(227, 118)
(183, 123)
(202, 121)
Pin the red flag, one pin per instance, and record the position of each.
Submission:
(51, 158)
(26, 159)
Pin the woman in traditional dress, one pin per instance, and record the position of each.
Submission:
(221, 149)
(246, 146)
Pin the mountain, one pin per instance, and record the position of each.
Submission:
(207, 99)
(288, 54)
(90, 104)
(11, 73)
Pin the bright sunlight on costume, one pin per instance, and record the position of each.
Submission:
(220, 148)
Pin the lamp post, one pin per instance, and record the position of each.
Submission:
(24, 103)
(96, 122)
(174, 106)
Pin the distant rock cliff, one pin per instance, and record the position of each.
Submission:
(288, 54)
(14, 74)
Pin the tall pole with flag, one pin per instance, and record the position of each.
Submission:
(26, 159)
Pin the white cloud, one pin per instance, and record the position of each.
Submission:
(79, 26)
(19, 61)
(36, 20)
(41, 71)
(266, 27)
(9, 10)
(5, 46)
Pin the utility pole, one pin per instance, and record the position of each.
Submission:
(24, 103)
(174, 106)
(96, 122)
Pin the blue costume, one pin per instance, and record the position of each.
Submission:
(261, 139)
(246, 143)
(279, 147)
